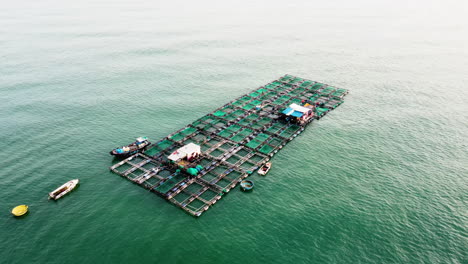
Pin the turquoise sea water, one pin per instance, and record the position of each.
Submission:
(381, 179)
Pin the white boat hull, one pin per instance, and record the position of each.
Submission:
(64, 189)
(264, 172)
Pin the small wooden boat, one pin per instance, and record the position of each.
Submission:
(264, 169)
(140, 144)
(20, 210)
(247, 185)
(64, 189)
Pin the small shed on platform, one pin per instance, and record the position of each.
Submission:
(188, 152)
(300, 113)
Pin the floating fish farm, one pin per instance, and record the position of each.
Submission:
(235, 140)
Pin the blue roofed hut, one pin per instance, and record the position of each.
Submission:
(298, 114)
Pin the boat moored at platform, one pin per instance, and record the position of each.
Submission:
(264, 169)
(246, 185)
(139, 145)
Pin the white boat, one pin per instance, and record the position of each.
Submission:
(264, 169)
(64, 189)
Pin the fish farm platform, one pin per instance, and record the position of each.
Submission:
(235, 139)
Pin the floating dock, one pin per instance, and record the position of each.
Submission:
(235, 139)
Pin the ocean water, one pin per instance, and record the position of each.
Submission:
(381, 179)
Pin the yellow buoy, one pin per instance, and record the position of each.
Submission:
(20, 210)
